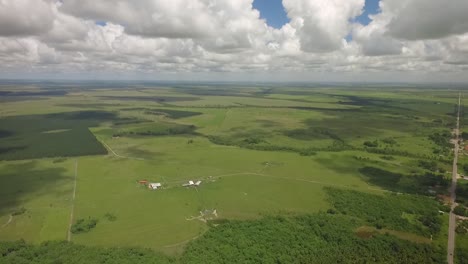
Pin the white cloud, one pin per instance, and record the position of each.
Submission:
(322, 25)
(220, 37)
(427, 19)
(25, 17)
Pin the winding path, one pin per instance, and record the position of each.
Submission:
(8, 222)
(453, 187)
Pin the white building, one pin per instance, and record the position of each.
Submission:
(154, 186)
(191, 183)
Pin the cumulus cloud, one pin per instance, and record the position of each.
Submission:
(322, 25)
(427, 19)
(228, 36)
(25, 17)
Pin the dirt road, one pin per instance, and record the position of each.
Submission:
(72, 202)
(453, 187)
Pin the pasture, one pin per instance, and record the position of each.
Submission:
(259, 152)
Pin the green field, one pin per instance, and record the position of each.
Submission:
(283, 157)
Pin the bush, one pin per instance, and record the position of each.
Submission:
(19, 211)
(84, 225)
(371, 144)
(428, 165)
(110, 217)
(460, 210)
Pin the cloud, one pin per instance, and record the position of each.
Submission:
(427, 19)
(25, 17)
(227, 38)
(162, 18)
(322, 25)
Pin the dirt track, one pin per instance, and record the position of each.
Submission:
(453, 187)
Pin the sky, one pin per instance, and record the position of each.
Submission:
(235, 40)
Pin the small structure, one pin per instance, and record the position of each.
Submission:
(191, 183)
(143, 182)
(154, 186)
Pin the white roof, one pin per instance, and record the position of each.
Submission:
(155, 185)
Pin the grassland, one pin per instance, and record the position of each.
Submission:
(260, 152)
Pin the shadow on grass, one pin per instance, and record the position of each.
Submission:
(396, 182)
(26, 181)
(137, 152)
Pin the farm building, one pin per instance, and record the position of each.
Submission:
(154, 186)
(191, 183)
(143, 182)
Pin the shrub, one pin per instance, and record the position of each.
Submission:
(84, 225)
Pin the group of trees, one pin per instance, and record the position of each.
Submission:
(84, 225)
(158, 129)
(441, 138)
(462, 227)
(320, 238)
(312, 238)
(387, 211)
(462, 194)
(263, 145)
(460, 210)
(62, 252)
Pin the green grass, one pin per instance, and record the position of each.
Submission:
(44, 189)
(164, 137)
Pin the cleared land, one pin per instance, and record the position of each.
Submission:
(265, 156)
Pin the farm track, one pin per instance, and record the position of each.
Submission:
(117, 155)
(73, 202)
(182, 242)
(453, 187)
(8, 222)
(281, 178)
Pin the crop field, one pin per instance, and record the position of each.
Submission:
(287, 157)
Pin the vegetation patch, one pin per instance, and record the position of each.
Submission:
(462, 227)
(19, 211)
(460, 210)
(155, 129)
(171, 113)
(159, 99)
(320, 238)
(52, 135)
(407, 213)
(462, 193)
(84, 225)
(66, 252)
(110, 217)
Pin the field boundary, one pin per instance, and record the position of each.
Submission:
(73, 203)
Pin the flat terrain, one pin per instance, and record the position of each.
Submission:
(259, 152)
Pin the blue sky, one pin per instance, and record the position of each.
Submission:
(275, 15)
(272, 11)
(371, 7)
